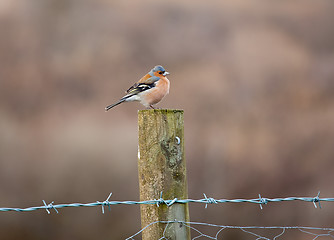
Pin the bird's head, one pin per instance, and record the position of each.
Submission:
(159, 71)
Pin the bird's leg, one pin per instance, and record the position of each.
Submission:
(152, 107)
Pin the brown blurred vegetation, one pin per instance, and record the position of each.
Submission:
(255, 78)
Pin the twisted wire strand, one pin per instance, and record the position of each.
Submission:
(206, 201)
(316, 201)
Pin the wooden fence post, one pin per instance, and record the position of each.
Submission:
(162, 168)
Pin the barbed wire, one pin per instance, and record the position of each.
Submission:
(324, 232)
(206, 200)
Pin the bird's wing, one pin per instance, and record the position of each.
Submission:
(144, 81)
(138, 88)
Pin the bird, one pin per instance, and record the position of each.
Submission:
(149, 90)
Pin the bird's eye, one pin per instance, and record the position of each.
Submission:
(161, 72)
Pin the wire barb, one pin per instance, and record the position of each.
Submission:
(262, 201)
(160, 200)
(49, 206)
(171, 202)
(106, 203)
(317, 200)
(209, 200)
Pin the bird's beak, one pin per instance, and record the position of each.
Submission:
(165, 73)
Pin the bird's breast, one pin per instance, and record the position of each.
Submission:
(157, 93)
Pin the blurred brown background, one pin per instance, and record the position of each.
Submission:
(255, 79)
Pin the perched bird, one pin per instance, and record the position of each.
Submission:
(149, 90)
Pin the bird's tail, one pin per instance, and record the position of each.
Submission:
(115, 104)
